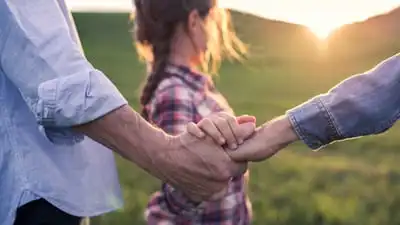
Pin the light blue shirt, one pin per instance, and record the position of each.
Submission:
(45, 79)
(364, 104)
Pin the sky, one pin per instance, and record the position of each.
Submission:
(321, 16)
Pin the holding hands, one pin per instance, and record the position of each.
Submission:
(225, 129)
(241, 143)
(240, 134)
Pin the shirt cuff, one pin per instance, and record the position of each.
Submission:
(313, 123)
(76, 99)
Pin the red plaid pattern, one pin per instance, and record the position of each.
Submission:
(186, 96)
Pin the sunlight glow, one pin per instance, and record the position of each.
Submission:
(322, 29)
(322, 32)
(321, 16)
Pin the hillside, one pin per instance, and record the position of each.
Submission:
(373, 36)
(348, 183)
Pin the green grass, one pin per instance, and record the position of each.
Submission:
(354, 182)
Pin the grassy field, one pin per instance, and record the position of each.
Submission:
(350, 183)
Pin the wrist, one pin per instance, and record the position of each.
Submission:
(157, 145)
(283, 133)
(147, 145)
(286, 131)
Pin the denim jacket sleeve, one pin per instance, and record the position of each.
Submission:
(41, 56)
(361, 105)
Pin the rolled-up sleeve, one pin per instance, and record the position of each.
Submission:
(364, 104)
(41, 57)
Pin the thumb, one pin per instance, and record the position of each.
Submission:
(245, 119)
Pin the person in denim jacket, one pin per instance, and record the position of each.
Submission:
(364, 104)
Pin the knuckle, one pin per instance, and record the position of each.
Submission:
(205, 122)
(221, 121)
(231, 119)
(191, 126)
(225, 114)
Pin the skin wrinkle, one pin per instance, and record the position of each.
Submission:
(204, 164)
(111, 138)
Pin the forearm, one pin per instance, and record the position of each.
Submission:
(278, 133)
(364, 104)
(128, 134)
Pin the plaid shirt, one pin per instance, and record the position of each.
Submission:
(186, 96)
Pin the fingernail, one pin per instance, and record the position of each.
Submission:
(233, 146)
(222, 141)
(240, 141)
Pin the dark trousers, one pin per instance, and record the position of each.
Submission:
(41, 212)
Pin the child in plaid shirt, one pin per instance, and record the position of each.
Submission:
(175, 37)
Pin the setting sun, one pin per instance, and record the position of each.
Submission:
(320, 16)
(322, 32)
(322, 28)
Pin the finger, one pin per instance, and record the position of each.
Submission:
(246, 119)
(254, 149)
(246, 130)
(194, 130)
(242, 130)
(225, 129)
(211, 130)
(235, 127)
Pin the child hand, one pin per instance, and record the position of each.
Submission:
(224, 128)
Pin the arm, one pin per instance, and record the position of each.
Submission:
(364, 104)
(67, 95)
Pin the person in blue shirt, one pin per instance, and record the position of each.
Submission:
(60, 117)
(364, 104)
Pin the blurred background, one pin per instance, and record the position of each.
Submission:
(298, 49)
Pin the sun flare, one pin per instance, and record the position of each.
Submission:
(322, 32)
(322, 29)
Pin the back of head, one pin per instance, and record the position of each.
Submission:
(156, 22)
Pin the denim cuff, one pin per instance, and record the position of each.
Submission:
(313, 123)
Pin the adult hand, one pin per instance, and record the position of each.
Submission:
(224, 129)
(198, 167)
